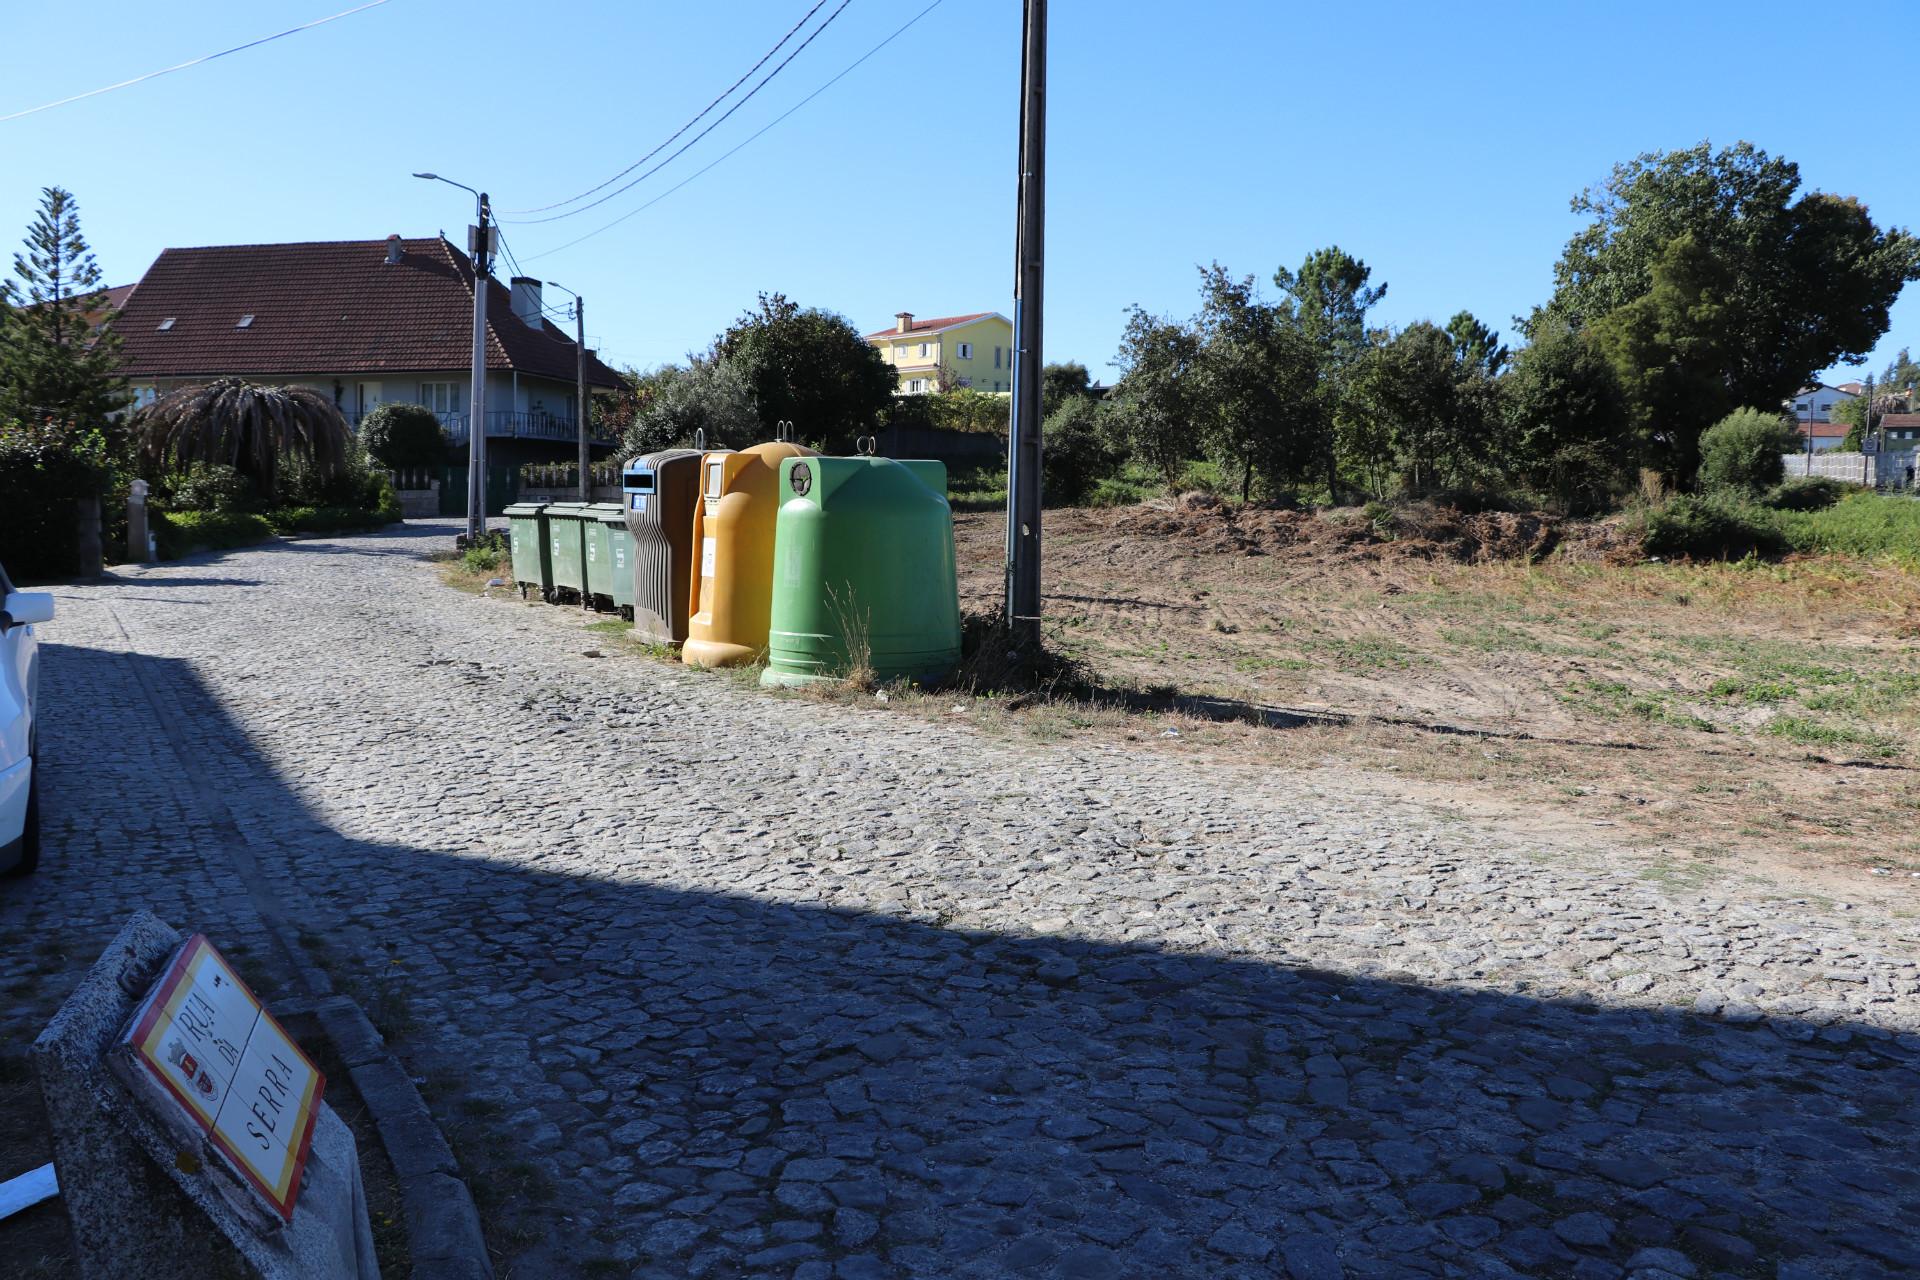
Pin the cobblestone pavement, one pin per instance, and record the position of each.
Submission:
(709, 982)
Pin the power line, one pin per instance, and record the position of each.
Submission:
(805, 18)
(194, 62)
(749, 138)
(703, 133)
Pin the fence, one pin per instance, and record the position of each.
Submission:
(566, 475)
(1876, 470)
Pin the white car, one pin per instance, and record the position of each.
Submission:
(19, 694)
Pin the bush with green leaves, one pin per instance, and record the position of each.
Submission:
(403, 436)
(1075, 454)
(1720, 525)
(207, 486)
(1743, 451)
(45, 469)
(181, 533)
(1808, 493)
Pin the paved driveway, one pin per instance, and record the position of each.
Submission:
(706, 982)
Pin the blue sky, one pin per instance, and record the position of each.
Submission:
(1440, 145)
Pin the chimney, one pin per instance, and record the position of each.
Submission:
(526, 300)
(394, 252)
(903, 321)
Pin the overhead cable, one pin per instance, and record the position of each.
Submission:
(194, 62)
(703, 133)
(848, 70)
(804, 19)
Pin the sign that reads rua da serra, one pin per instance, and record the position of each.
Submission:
(215, 1066)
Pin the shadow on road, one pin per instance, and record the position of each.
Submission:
(722, 1084)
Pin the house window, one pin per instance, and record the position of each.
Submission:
(917, 385)
(1800, 408)
(144, 396)
(965, 382)
(966, 350)
(441, 397)
(996, 357)
(923, 351)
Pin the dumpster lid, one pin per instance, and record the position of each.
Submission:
(611, 512)
(566, 508)
(526, 509)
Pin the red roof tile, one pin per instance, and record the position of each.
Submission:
(927, 326)
(328, 307)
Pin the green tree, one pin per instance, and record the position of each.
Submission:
(1860, 419)
(1154, 405)
(1412, 412)
(1259, 403)
(1475, 345)
(59, 355)
(1567, 428)
(1076, 454)
(964, 409)
(808, 367)
(1744, 451)
(707, 395)
(1670, 348)
(1328, 298)
(401, 436)
(1060, 382)
(1902, 377)
(1776, 286)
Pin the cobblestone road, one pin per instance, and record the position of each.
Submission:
(706, 982)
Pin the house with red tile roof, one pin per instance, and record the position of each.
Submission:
(974, 350)
(365, 323)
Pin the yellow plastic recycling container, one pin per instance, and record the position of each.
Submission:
(732, 598)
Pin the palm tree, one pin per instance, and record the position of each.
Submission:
(252, 428)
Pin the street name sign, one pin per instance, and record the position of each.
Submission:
(204, 1053)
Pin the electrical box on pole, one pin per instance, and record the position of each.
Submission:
(1023, 441)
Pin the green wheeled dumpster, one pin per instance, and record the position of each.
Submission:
(532, 557)
(566, 543)
(863, 572)
(610, 559)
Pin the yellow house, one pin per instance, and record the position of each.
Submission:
(949, 351)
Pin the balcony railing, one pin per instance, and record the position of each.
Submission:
(511, 424)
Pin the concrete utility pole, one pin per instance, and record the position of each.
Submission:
(1023, 442)
(480, 248)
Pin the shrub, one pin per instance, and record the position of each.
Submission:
(384, 509)
(1714, 526)
(1861, 524)
(404, 435)
(45, 469)
(207, 486)
(1074, 454)
(1811, 493)
(1743, 451)
(181, 532)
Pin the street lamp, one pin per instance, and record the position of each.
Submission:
(580, 383)
(480, 245)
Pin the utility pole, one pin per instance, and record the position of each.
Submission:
(579, 384)
(480, 249)
(1023, 441)
(480, 244)
(580, 389)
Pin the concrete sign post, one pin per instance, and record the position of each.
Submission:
(189, 1132)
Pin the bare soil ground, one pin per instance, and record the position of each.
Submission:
(1725, 717)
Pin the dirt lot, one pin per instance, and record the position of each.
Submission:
(1503, 665)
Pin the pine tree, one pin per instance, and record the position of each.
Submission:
(59, 356)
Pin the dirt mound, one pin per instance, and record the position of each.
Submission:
(1203, 524)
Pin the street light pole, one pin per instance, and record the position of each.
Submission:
(480, 247)
(580, 383)
(1023, 441)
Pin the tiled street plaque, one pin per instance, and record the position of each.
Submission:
(226, 1070)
